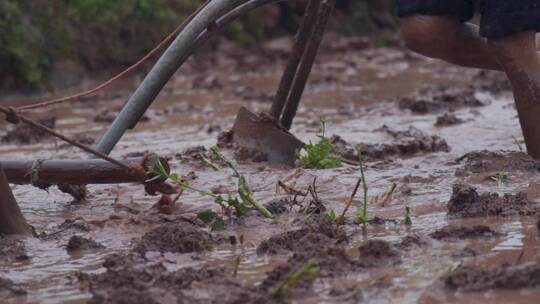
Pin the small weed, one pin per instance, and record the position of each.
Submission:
(500, 178)
(307, 270)
(244, 191)
(407, 221)
(213, 219)
(231, 205)
(361, 212)
(319, 155)
(210, 163)
(331, 215)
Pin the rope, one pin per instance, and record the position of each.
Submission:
(121, 74)
(13, 116)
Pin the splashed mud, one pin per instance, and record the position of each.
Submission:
(384, 99)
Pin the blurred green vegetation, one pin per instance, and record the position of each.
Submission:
(37, 34)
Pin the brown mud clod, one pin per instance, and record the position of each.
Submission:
(405, 143)
(191, 155)
(461, 232)
(24, 134)
(411, 241)
(331, 262)
(448, 119)
(328, 262)
(439, 98)
(12, 249)
(377, 253)
(279, 206)
(79, 243)
(488, 161)
(131, 279)
(316, 233)
(466, 202)
(506, 276)
(77, 224)
(176, 238)
(8, 289)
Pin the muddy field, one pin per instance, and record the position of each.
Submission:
(448, 138)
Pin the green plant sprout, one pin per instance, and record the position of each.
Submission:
(308, 269)
(210, 163)
(240, 206)
(331, 215)
(319, 155)
(361, 212)
(407, 221)
(244, 191)
(500, 178)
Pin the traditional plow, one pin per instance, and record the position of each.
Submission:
(265, 132)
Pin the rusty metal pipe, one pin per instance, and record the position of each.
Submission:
(77, 172)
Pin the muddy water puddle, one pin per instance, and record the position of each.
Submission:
(360, 101)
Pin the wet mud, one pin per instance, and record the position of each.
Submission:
(438, 99)
(461, 232)
(317, 233)
(131, 279)
(376, 253)
(442, 141)
(448, 119)
(9, 289)
(466, 202)
(23, 134)
(78, 243)
(507, 276)
(175, 238)
(404, 143)
(12, 249)
(490, 161)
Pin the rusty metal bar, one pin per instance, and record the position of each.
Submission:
(306, 64)
(305, 31)
(11, 219)
(78, 172)
(12, 116)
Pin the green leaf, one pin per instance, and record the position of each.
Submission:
(207, 216)
(219, 224)
(319, 156)
(161, 169)
(407, 220)
(174, 177)
(153, 179)
(331, 215)
(361, 214)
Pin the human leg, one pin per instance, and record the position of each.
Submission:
(448, 39)
(518, 57)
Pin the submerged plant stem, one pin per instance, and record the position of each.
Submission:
(308, 269)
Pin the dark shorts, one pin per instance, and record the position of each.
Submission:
(499, 17)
